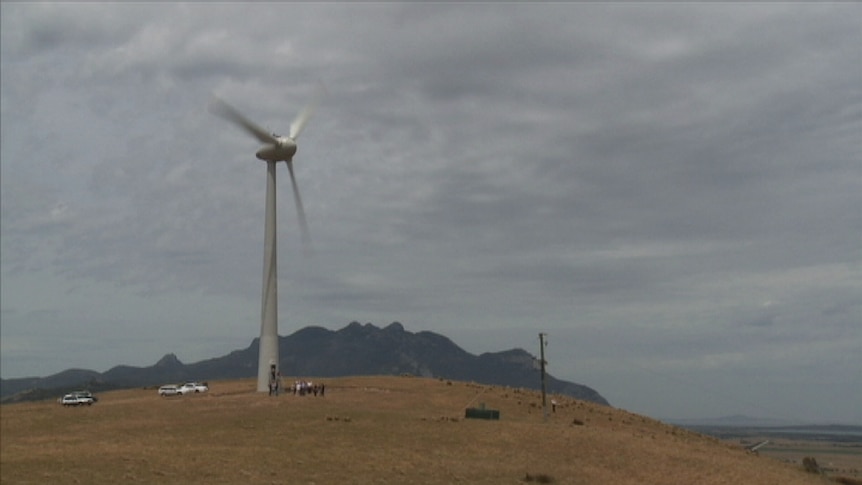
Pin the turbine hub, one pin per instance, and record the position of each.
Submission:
(281, 151)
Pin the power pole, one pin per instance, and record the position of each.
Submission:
(542, 356)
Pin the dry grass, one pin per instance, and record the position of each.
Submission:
(386, 430)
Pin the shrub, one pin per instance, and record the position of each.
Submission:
(848, 481)
(540, 478)
(810, 465)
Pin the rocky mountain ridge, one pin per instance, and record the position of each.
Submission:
(316, 351)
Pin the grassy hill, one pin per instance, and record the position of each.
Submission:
(387, 430)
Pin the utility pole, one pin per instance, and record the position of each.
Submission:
(542, 356)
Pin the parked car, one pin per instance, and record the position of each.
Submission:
(193, 387)
(169, 390)
(76, 399)
(86, 396)
(85, 399)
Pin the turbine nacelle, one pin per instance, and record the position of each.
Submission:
(275, 148)
(281, 151)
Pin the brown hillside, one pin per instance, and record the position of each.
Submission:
(394, 430)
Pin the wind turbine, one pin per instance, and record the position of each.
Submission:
(276, 149)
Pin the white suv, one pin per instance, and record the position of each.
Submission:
(193, 387)
(169, 391)
(77, 399)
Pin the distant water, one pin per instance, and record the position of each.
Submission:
(833, 433)
(820, 430)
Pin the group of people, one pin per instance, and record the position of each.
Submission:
(300, 387)
(304, 387)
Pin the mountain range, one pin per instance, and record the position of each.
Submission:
(316, 351)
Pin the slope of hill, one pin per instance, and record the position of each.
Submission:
(387, 430)
(315, 351)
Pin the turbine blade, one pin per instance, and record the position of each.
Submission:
(304, 115)
(228, 112)
(300, 211)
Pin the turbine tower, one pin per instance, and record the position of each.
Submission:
(276, 149)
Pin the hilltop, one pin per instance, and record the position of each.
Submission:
(387, 430)
(353, 350)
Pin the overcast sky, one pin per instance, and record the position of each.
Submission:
(672, 192)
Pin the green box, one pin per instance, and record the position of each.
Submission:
(473, 413)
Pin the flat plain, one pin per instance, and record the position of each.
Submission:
(365, 430)
(838, 459)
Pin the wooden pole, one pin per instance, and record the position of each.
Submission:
(542, 356)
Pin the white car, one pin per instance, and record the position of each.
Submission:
(85, 397)
(77, 399)
(193, 387)
(169, 391)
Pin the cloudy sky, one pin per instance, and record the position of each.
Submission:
(670, 191)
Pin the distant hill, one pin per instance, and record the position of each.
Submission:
(354, 350)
